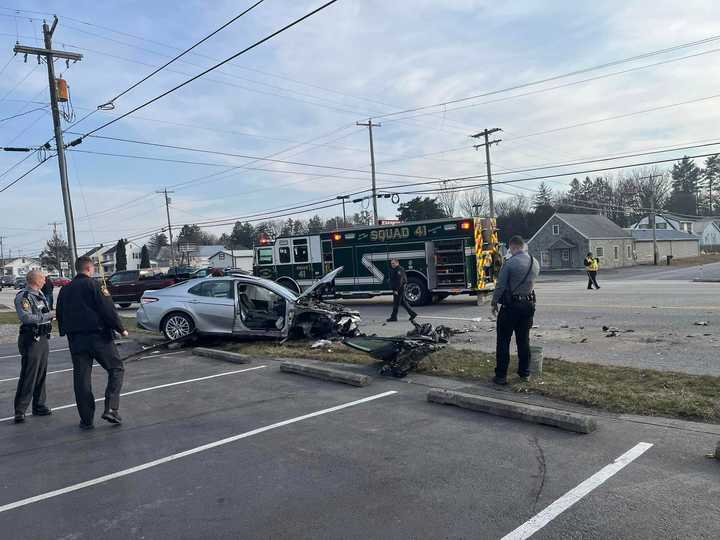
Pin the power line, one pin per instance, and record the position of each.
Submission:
(8, 186)
(23, 113)
(236, 55)
(183, 53)
(229, 154)
(555, 77)
(559, 86)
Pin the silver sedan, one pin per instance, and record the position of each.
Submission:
(243, 306)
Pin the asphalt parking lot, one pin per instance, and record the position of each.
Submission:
(218, 450)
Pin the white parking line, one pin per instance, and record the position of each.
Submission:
(96, 365)
(530, 527)
(18, 356)
(187, 381)
(191, 451)
(474, 319)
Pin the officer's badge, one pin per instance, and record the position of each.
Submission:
(26, 304)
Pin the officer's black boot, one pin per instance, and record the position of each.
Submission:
(19, 418)
(112, 416)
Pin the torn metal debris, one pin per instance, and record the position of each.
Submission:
(402, 354)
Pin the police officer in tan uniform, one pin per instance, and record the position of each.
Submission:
(35, 325)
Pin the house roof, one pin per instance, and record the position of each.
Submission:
(593, 226)
(561, 243)
(93, 251)
(645, 235)
(208, 251)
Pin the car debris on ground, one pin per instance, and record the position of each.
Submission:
(402, 354)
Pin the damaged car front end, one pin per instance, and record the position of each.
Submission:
(245, 306)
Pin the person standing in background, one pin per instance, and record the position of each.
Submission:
(592, 265)
(47, 290)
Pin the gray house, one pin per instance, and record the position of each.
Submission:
(564, 240)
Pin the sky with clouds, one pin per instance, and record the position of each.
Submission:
(297, 98)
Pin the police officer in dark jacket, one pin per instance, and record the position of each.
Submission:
(48, 291)
(36, 323)
(86, 314)
(398, 282)
(515, 292)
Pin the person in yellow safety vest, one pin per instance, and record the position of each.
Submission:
(592, 264)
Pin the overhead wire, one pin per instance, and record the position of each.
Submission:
(211, 68)
(183, 53)
(555, 77)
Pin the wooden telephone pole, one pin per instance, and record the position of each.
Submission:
(369, 124)
(486, 134)
(50, 55)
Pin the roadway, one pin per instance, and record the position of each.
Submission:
(216, 450)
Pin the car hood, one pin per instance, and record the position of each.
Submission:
(327, 278)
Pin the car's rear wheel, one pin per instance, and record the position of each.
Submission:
(177, 325)
(416, 291)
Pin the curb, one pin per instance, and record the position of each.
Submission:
(326, 374)
(569, 421)
(235, 358)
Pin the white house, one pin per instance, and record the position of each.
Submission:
(229, 258)
(676, 244)
(21, 266)
(106, 256)
(707, 230)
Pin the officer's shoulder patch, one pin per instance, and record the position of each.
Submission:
(26, 304)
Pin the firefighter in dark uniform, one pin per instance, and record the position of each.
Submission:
(36, 323)
(398, 281)
(515, 293)
(86, 314)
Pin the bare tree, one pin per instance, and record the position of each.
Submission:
(447, 197)
(649, 183)
(473, 203)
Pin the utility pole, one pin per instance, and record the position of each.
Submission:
(167, 210)
(344, 198)
(369, 124)
(486, 134)
(57, 248)
(50, 55)
(653, 215)
(2, 256)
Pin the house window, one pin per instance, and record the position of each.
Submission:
(556, 230)
(628, 252)
(221, 256)
(599, 252)
(616, 252)
(565, 255)
(544, 258)
(686, 226)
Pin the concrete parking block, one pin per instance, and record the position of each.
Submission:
(227, 356)
(325, 373)
(510, 409)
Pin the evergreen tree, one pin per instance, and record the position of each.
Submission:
(120, 256)
(157, 241)
(543, 197)
(144, 257)
(711, 181)
(315, 225)
(242, 236)
(686, 176)
(56, 251)
(419, 209)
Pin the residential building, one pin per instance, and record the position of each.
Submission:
(20, 266)
(670, 242)
(564, 240)
(706, 229)
(235, 258)
(105, 256)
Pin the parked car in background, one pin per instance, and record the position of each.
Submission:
(6, 281)
(20, 283)
(60, 281)
(128, 286)
(180, 273)
(244, 306)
